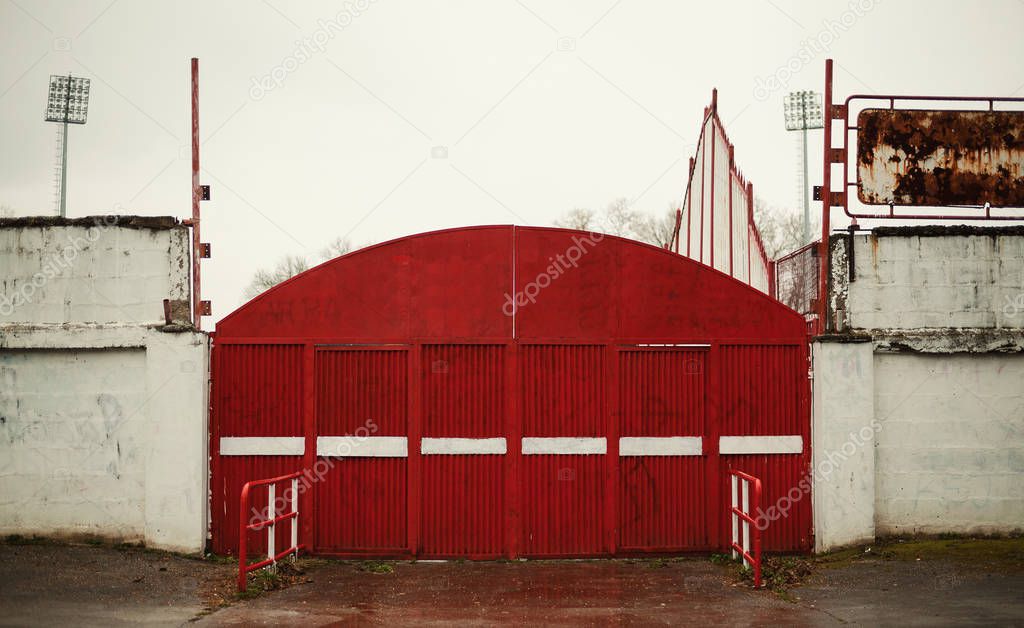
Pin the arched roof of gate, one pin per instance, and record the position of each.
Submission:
(457, 284)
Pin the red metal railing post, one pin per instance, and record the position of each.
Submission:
(748, 543)
(757, 535)
(269, 523)
(243, 541)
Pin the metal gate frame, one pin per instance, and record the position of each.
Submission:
(779, 349)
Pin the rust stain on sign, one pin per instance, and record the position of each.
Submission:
(939, 157)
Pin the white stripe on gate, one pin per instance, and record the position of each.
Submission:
(536, 446)
(661, 446)
(362, 446)
(761, 445)
(454, 446)
(262, 445)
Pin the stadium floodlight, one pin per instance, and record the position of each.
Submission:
(803, 111)
(67, 103)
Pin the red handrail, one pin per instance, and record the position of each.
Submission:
(269, 524)
(740, 511)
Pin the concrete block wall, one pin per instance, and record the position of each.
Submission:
(950, 454)
(941, 311)
(103, 425)
(934, 278)
(96, 270)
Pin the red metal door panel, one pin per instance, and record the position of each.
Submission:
(258, 394)
(662, 497)
(661, 391)
(463, 392)
(563, 507)
(361, 506)
(361, 389)
(765, 392)
(463, 506)
(763, 386)
(661, 504)
(259, 390)
(563, 390)
(563, 396)
(362, 500)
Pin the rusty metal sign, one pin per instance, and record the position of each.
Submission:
(940, 157)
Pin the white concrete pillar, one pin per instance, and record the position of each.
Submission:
(177, 460)
(843, 435)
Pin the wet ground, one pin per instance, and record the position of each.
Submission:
(948, 583)
(43, 584)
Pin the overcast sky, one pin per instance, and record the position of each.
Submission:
(376, 119)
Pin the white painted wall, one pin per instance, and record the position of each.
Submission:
(104, 432)
(942, 373)
(843, 436)
(91, 270)
(103, 409)
(950, 454)
(937, 282)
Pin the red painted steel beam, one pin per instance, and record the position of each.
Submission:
(689, 207)
(826, 206)
(732, 226)
(714, 121)
(197, 308)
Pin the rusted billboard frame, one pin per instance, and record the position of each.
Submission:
(841, 156)
(966, 157)
(850, 127)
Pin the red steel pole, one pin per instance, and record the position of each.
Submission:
(714, 121)
(689, 210)
(732, 224)
(197, 316)
(826, 206)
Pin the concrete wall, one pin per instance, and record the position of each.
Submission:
(843, 444)
(930, 278)
(103, 426)
(950, 454)
(942, 312)
(103, 269)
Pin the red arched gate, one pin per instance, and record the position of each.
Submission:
(507, 391)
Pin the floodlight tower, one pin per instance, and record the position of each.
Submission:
(68, 103)
(803, 111)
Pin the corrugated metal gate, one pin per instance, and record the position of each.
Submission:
(598, 419)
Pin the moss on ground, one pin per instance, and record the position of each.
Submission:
(781, 573)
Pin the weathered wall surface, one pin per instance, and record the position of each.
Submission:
(950, 454)
(933, 278)
(943, 310)
(102, 405)
(843, 444)
(103, 269)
